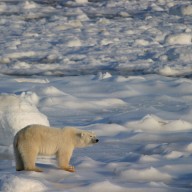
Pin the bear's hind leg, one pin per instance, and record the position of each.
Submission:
(18, 160)
(29, 157)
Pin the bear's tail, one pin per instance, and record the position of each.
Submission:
(18, 157)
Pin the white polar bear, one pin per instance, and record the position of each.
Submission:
(39, 139)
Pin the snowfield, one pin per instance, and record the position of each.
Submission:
(116, 67)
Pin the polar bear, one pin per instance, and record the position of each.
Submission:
(43, 140)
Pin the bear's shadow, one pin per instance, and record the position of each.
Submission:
(46, 166)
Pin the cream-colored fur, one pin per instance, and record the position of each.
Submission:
(36, 140)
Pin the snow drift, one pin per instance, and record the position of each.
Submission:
(16, 112)
(14, 183)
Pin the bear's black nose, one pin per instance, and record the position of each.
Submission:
(97, 140)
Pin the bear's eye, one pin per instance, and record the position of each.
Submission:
(91, 136)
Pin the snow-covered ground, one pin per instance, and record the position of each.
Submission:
(119, 68)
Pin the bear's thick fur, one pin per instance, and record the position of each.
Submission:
(39, 139)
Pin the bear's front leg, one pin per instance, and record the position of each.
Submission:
(63, 157)
(69, 168)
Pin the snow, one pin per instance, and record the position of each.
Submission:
(121, 69)
(180, 9)
(12, 183)
(154, 123)
(16, 112)
(186, 10)
(149, 174)
(74, 43)
(81, 1)
(182, 39)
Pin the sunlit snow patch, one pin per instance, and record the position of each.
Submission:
(181, 39)
(81, 1)
(16, 112)
(12, 183)
(154, 123)
(105, 186)
(148, 174)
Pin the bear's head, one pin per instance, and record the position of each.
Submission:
(86, 138)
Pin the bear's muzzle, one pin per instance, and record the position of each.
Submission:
(95, 140)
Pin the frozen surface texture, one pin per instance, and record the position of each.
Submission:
(119, 68)
(72, 37)
(143, 123)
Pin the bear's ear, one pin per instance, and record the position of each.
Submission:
(80, 134)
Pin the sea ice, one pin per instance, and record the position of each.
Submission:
(116, 67)
(182, 39)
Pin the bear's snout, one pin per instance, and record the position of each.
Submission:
(95, 140)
